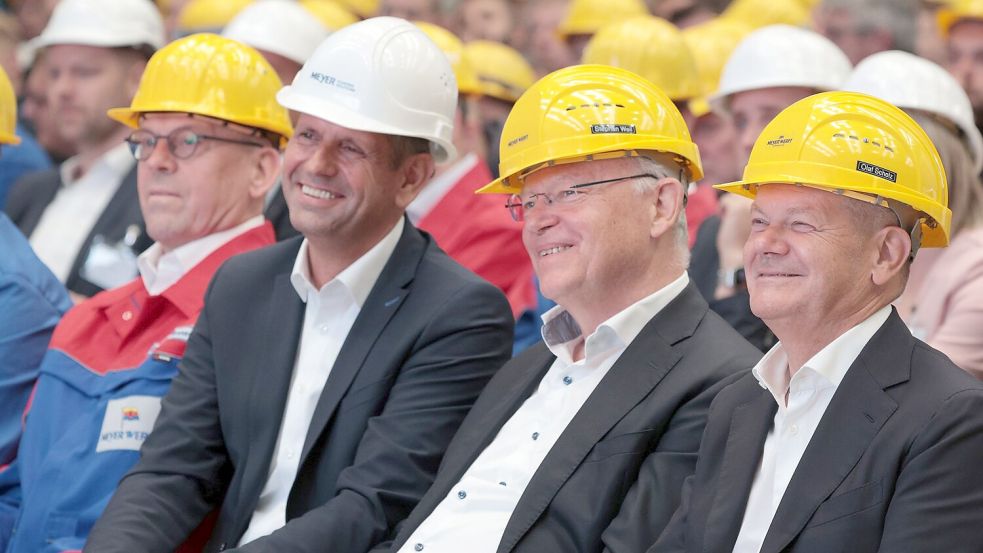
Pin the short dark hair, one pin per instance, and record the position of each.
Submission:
(405, 146)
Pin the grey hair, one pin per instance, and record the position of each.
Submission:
(665, 166)
(898, 17)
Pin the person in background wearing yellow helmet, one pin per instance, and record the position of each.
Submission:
(686, 13)
(596, 160)
(327, 373)
(864, 27)
(31, 303)
(413, 10)
(850, 434)
(943, 302)
(83, 218)
(961, 23)
(770, 69)
(586, 17)
(207, 16)
(286, 34)
(484, 20)
(207, 153)
(332, 15)
(472, 228)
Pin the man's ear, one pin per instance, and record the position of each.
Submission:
(417, 170)
(668, 201)
(893, 249)
(265, 170)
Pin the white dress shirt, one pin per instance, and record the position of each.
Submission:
(438, 187)
(809, 392)
(328, 318)
(473, 516)
(76, 207)
(160, 270)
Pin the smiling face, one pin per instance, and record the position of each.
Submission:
(596, 253)
(809, 261)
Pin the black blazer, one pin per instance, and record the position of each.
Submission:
(425, 343)
(643, 422)
(32, 194)
(892, 467)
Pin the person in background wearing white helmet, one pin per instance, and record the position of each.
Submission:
(850, 434)
(31, 303)
(943, 302)
(561, 451)
(413, 10)
(286, 34)
(206, 131)
(864, 27)
(769, 70)
(83, 218)
(961, 24)
(327, 373)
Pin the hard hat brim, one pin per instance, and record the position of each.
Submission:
(7, 138)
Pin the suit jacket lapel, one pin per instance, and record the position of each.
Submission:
(284, 319)
(381, 304)
(858, 410)
(749, 427)
(640, 368)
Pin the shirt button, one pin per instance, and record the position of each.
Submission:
(567, 380)
(462, 494)
(535, 435)
(127, 315)
(325, 329)
(794, 429)
(290, 455)
(418, 547)
(501, 483)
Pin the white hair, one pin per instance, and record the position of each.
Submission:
(666, 166)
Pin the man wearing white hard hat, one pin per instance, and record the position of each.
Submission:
(326, 374)
(769, 70)
(83, 219)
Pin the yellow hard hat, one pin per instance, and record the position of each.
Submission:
(585, 17)
(210, 75)
(651, 47)
(502, 71)
(856, 145)
(330, 14)
(208, 15)
(761, 13)
(362, 8)
(8, 111)
(464, 72)
(954, 10)
(711, 44)
(587, 112)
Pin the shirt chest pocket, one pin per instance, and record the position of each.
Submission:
(848, 503)
(631, 443)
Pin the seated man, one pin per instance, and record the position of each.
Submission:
(326, 374)
(31, 303)
(618, 393)
(207, 153)
(850, 434)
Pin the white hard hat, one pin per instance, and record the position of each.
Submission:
(380, 75)
(912, 82)
(104, 23)
(781, 55)
(283, 27)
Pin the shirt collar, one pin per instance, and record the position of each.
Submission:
(831, 363)
(561, 332)
(160, 270)
(116, 162)
(358, 278)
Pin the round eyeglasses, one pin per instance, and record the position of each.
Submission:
(517, 205)
(181, 143)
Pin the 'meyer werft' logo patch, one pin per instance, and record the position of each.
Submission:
(877, 171)
(607, 128)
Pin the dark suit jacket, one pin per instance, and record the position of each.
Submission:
(32, 194)
(643, 421)
(425, 343)
(892, 467)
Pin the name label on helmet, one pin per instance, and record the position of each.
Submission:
(878, 172)
(612, 129)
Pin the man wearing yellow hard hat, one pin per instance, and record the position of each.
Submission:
(850, 434)
(595, 162)
(328, 372)
(205, 130)
(961, 25)
(33, 302)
